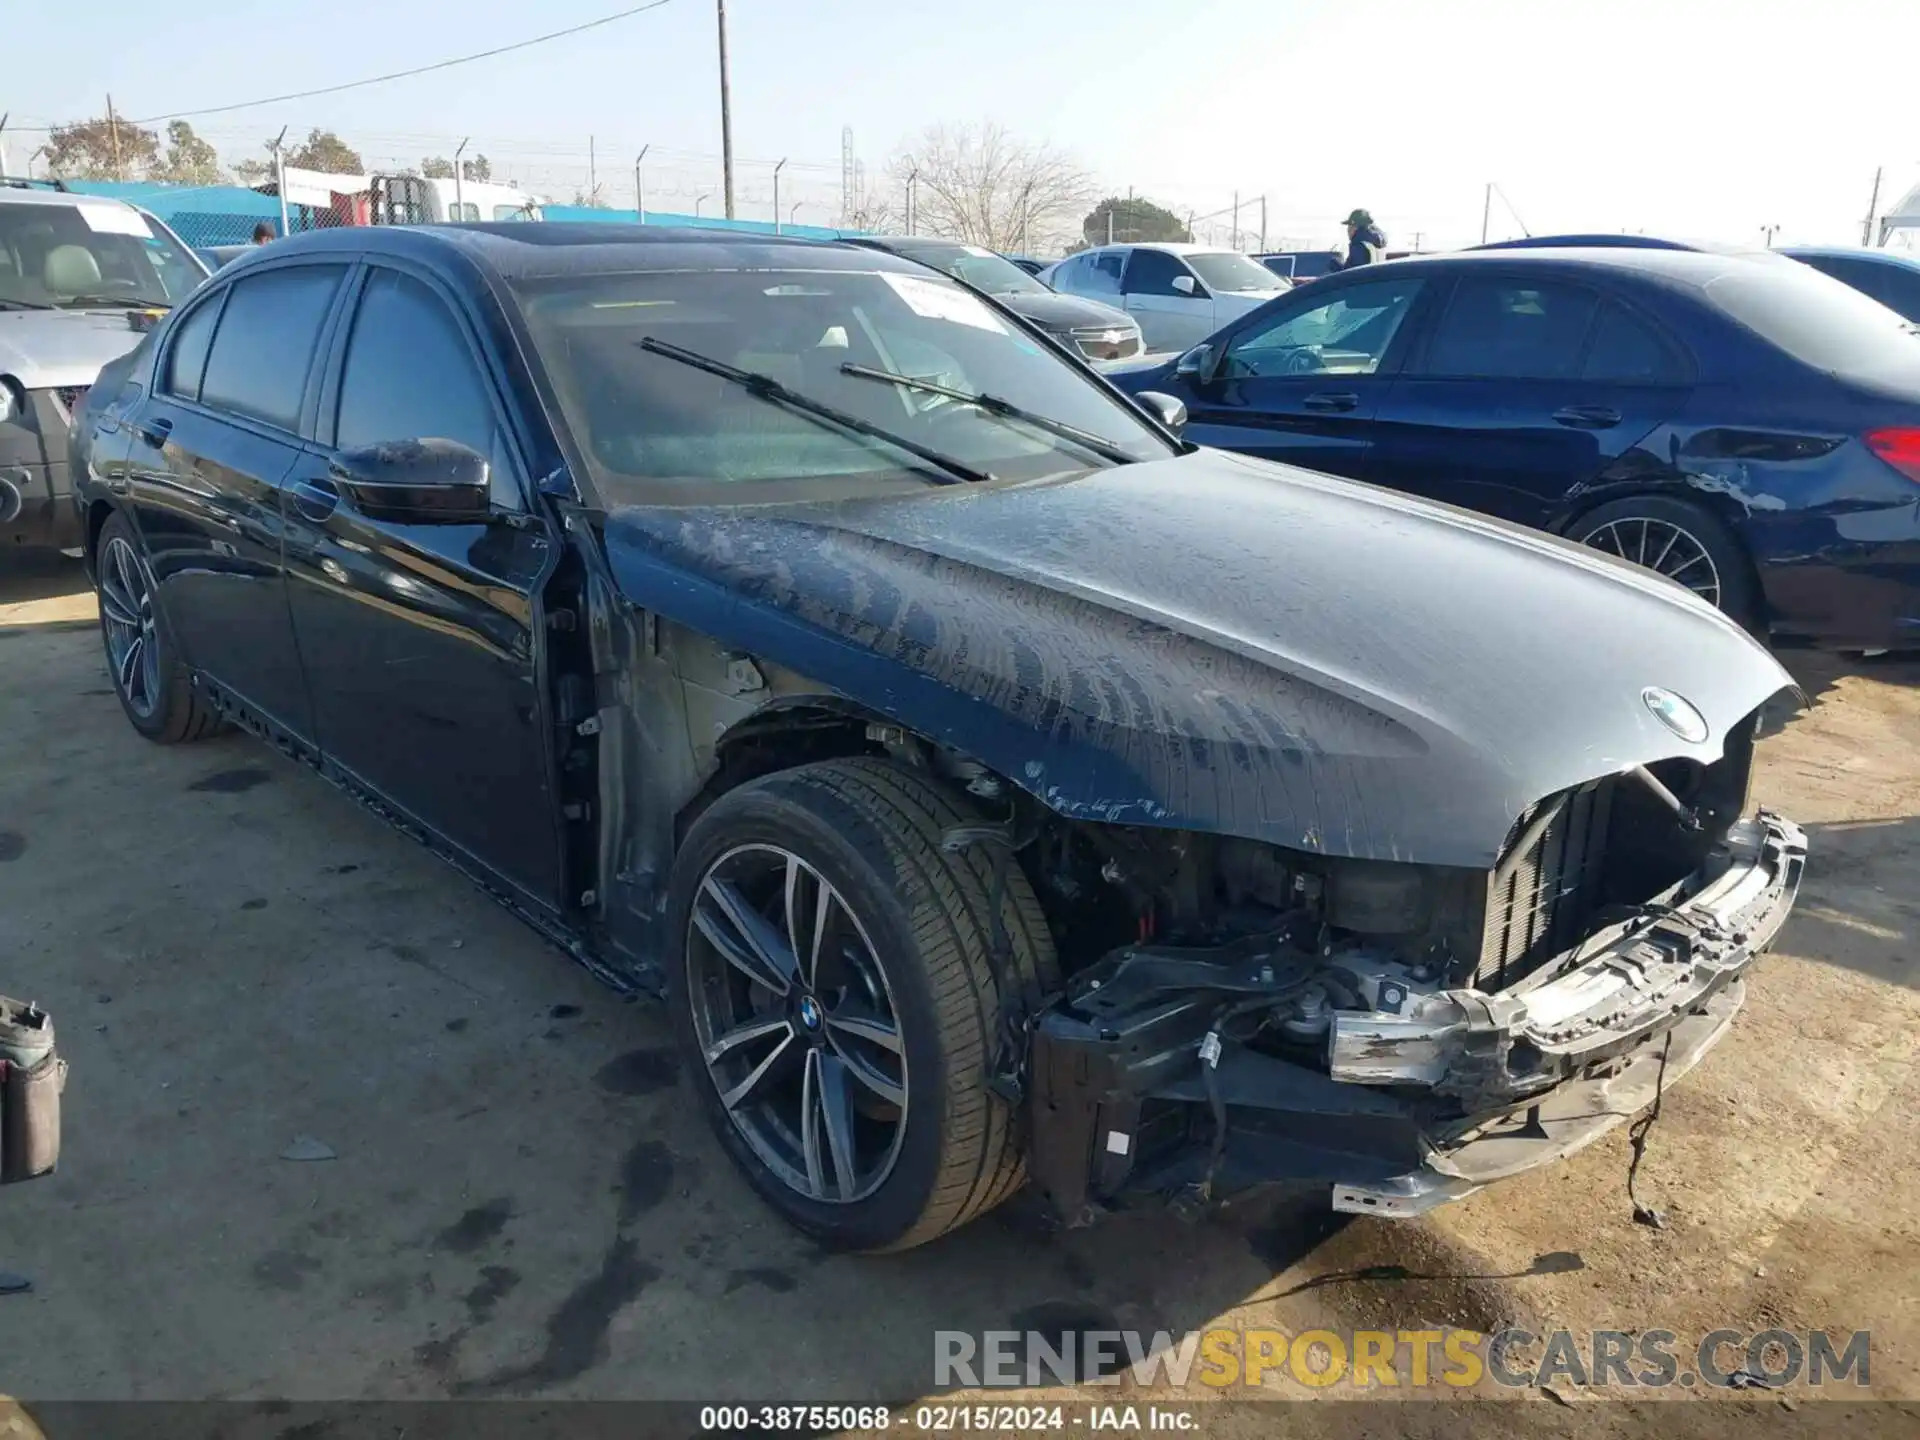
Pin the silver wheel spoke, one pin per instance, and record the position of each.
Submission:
(867, 1073)
(868, 1027)
(803, 931)
(129, 663)
(746, 1034)
(754, 946)
(1660, 560)
(120, 609)
(827, 1119)
(743, 1091)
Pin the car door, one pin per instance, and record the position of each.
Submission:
(1171, 316)
(211, 445)
(1526, 389)
(1299, 381)
(420, 639)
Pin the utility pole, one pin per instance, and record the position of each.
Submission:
(593, 179)
(3, 145)
(700, 200)
(1866, 230)
(1263, 224)
(1236, 220)
(640, 185)
(459, 181)
(113, 129)
(726, 113)
(776, 193)
(1486, 213)
(913, 186)
(280, 179)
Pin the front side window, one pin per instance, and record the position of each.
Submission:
(187, 355)
(1346, 334)
(1231, 273)
(264, 347)
(409, 375)
(1102, 275)
(656, 430)
(1512, 329)
(1152, 272)
(75, 257)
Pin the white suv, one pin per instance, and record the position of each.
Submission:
(82, 278)
(1178, 294)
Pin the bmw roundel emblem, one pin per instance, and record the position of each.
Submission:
(1675, 713)
(810, 1012)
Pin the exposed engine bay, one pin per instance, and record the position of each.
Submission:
(1236, 1012)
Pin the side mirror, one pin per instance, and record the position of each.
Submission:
(1184, 284)
(420, 482)
(1196, 365)
(1164, 408)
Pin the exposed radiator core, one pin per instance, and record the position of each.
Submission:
(1543, 906)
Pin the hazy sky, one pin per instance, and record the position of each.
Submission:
(1684, 117)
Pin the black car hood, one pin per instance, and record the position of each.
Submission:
(1218, 643)
(1051, 310)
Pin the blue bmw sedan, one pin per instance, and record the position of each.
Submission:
(1749, 429)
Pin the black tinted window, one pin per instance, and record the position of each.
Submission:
(1151, 272)
(1820, 324)
(267, 337)
(1623, 349)
(1512, 329)
(188, 357)
(410, 376)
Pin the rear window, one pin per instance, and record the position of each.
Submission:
(1818, 320)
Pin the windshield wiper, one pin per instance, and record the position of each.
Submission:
(994, 405)
(118, 302)
(768, 388)
(6, 304)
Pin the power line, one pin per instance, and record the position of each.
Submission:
(404, 74)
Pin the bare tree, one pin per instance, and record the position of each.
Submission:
(979, 184)
(869, 208)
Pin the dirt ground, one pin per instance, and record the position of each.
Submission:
(523, 1200)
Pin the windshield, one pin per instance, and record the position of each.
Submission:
(75, 256)
(1232, 272)
(654, 430)
(1818, 320)
(980, 268)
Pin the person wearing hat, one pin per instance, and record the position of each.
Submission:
(1365, 242)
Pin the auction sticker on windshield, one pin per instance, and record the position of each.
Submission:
(943, 302)
(113, 220)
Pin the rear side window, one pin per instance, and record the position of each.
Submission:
(1817, 320)
(1625, 351)
(1102, 277)
(187, 359)
(268, 333)
(1512, 329)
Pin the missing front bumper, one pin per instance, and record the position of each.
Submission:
(1415, 1109)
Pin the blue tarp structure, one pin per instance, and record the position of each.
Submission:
(566, 213)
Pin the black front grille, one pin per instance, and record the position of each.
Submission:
(1544, 903)
(1106, 342)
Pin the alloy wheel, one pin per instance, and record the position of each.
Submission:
(1664, 547)
(126, 604)
(796, 1023)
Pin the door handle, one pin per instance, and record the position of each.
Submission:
(155, 430)
(315, 499)
(1588, 417)
(1332, 402)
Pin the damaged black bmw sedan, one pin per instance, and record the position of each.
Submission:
(997, 787)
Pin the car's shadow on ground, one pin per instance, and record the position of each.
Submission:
(1858, 906)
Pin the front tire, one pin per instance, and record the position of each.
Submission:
(833, 990)
(155, 688)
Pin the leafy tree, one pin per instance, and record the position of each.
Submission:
(326, 152)
(1135, 221)
(189, 159)
(102, 150)
(252, 172)
(437, 167)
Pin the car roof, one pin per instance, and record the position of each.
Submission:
(1898, 258)
(14, 195)
(1689, 268)
(1171, 247)
(527, 250)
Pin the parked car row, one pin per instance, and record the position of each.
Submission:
(998, 785)
(1748, 428)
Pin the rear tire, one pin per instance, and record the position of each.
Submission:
(1682, 541)
(155, 689)
(907, 953)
